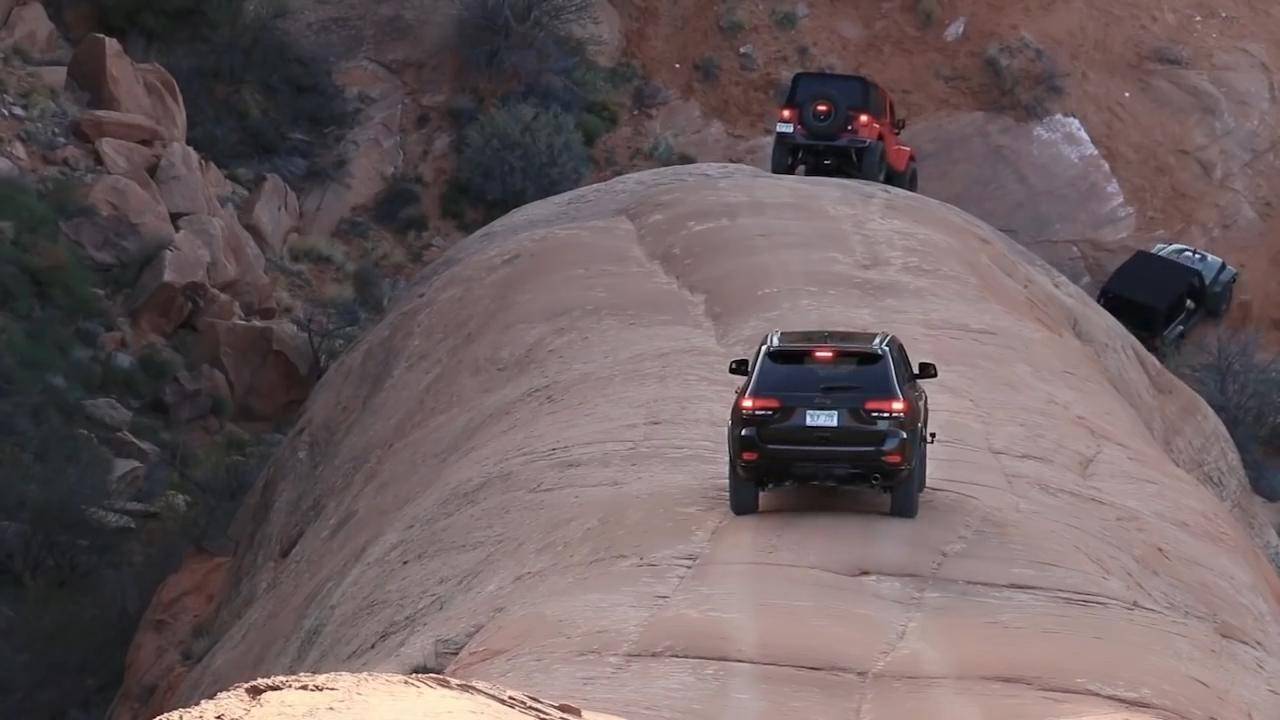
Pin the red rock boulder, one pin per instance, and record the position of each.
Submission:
(102, 69)
(268, 365)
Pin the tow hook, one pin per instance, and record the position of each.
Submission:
(932, 438)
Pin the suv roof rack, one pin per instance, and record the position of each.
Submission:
(843, 338)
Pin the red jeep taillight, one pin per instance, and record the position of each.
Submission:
(787, 114)
(886, 409)
(758, 406)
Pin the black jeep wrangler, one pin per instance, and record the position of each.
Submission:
(1160, 295)
(842, 125)
(829, 408)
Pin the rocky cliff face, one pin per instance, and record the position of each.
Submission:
(527, 486)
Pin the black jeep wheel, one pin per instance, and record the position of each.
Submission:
(904, 500)
(744, 496)
(921, 468)
(782, 162)
(908, 180)
(1222, 301)
(872, 165)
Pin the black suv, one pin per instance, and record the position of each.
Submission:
(832, 408)
(1160, 295)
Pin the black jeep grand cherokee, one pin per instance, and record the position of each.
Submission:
(829, 407)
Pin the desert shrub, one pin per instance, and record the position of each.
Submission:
(330, 328)
(1171, 54)
(1026, 76)
(51, 474)
(399, 207)
(318, 249)
(522, 37)
(518, 153)
(784, 19)
(927, 12)
(254, 97)
(1242, 384)
(370, 286)
(708, 68)
(731, 22)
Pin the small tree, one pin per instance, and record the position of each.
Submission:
(518, 153)
(522, 36)
(329, 329)
(1241, 383)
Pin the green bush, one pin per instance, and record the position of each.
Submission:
(708, 68)
(254, 97)
(517, 153)
(399, 207)
(785, 19)
(522, 37)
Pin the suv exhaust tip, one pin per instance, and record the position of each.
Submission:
(875, 480)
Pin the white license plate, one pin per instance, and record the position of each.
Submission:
(821, 418)
(786, 127)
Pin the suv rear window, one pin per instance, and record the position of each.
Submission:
(796, 371)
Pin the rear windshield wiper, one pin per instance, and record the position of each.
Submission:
(834, 388)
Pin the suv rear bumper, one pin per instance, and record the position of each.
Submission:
(797, 141)
(778, 465)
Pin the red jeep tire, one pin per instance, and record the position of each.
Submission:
(872, 164)
(908, 180)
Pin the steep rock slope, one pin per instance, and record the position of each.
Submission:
(520, 473)
(376, 697)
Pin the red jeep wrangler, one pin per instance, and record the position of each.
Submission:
(842, 125)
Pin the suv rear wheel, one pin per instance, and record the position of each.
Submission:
(872, 164)
(744, 496)
(783, 161)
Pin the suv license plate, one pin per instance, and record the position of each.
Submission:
(821, 418)
(786, 127)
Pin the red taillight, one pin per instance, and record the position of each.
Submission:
(787, 114)
(864, 119)
(822, 108)
(886, 408)
(759, 403)
(750, 456)
(824, 354)
(892, 459)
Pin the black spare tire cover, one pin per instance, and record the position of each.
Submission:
(823, 116)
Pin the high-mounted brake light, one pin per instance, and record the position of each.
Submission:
(824, 354)
(787, 114)
(886, 408)
(822, 107)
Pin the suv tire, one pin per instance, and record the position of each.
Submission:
(782, 162)
(921, 468)
(908, 180)
(1222, 301)
(744, 496)
(872, 165)
(904, 500)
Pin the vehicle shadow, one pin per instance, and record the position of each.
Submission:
(813, 498)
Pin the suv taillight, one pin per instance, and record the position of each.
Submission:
(886, 409)
(758, 406)
(787, 114)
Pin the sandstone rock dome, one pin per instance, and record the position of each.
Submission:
(521, 474)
